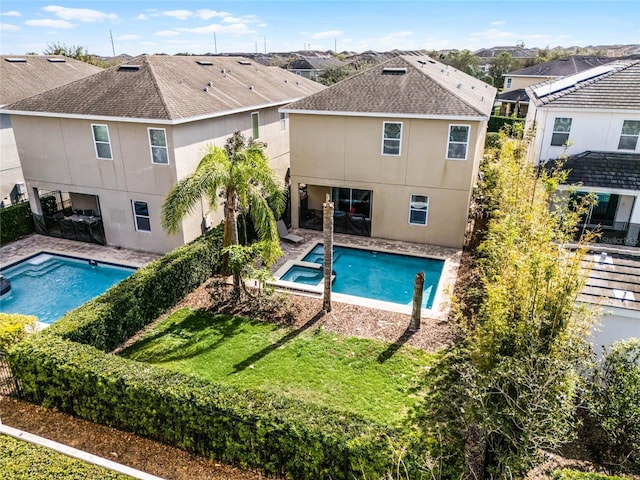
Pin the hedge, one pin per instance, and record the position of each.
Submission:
(496, 122)
(15, 222)
(566, 474)
(13, 328)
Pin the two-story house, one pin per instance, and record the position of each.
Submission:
(108, 148)
(397, 147)
(313, 67)
(21, 77)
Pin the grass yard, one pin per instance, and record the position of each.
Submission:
(21, 460)
(346, 373)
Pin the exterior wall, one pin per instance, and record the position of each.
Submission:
(344, 151)
(615, 324)
(590, 130)
(10, 170)
(521, 82)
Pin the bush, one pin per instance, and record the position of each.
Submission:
(13, 328)
(250, 428)
(497, 123)
(492, 141)
(565, 474)
(15, 222)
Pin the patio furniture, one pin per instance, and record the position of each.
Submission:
(285, 235)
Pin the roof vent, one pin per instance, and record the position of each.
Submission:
(223, 71)
(459, 86)
(210, 84)
(128, 68)
(422, 62)
(394, 71)
(250, 87)
(286, 80)
(244, 62)
(16, 60)
(56, 60)
(204, 62)
(431, 61)
(206, 89)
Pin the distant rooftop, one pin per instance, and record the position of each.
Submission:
(561, 67)
(514, 51)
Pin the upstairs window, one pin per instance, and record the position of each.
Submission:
(101, 141)
(458, 143)
(141, 216)
(508, 85)
(255, 125)
(629, 135)
(158, 143)
(391, 138)
(418, 209)
(283, 121)
(561, 130)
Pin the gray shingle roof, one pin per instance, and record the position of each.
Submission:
(618, 88)
(562, 67)
(605, 170)
(512, 96)
(515, 52)
(37, 74)
(427, 88)
(316, 63)
(173, 88)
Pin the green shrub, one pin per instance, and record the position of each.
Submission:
(496, 123)
(492, 141)
(246, 427)
(15, 222)
(13, 328)
(565, 474)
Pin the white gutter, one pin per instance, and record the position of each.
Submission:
(385, 114)
(585, 188)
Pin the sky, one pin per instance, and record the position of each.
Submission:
(201, 26)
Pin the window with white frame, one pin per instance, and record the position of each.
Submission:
(391, 138)
(418, 209)
(158, 143)
(509, 81)
(561, 131)
(101, 141)
(629, 135)
(255, 125)
(141, 216)
(283, 121)
(458, 142)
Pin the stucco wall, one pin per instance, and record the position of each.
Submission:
(10, 170)
(615, 324)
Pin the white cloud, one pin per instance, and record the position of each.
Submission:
(132, 36)
(50, 23)
(498, 22)
(6, 27)
(327, 34)
(235, 29)
(167, 33)
(206, 14)
(12, 13)
(179, 14)
(80, 14)
(142, 16)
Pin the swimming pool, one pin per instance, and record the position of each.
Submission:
(48, 285)
(371, 274)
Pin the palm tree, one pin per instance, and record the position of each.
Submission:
(239, 173)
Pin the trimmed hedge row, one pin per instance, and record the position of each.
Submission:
(15, 222)
(250, 428)
(496, 122)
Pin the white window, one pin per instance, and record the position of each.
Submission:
(561, 130)
(418, 209)
(141, 216)
(283, 121)
(629, 135)
(255, 125)
(509, 80)
(101, 141)
(458, 142)
(391, 138)
(158, 143)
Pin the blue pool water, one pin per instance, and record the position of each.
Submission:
(376, 275)
(48, 285)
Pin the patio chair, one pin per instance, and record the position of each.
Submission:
(285, 235)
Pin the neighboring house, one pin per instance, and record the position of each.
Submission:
(486, 55)
(594, 118)
(312, 67)
(22, 77)
(109, 147)
(397, 147)
(514, 98)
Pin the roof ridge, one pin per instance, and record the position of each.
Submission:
(157, 87)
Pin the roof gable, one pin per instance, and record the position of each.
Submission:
(408, 86)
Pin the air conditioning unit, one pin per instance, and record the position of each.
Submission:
(21, 188)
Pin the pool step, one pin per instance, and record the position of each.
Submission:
(38, 271)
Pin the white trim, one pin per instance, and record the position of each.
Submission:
(637, 137)
(426, 218)
(95, 141)
(466, 148)
(589, 189)
(255, 137)
(384, 123)
(284, 121)
(151, 147)
(553, 131)
(158, 121)
(135, 215)
(387, 114)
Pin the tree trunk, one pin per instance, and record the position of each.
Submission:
(327, 239)
(231, 230)
(418, 288)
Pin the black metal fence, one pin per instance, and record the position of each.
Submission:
(353, 224)
(618, 234)
(8, 385)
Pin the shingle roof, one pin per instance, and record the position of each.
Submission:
(405, 85)
(512, 96)
(162, 87)
(316, 63)
(604, 170)
(617, 87)
(515, 52)
(38, 73)
(562, 67)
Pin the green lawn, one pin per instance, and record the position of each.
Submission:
(364, 376)
(21, 460)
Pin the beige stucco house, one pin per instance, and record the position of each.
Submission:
(22, 76)
(397, 148)
(106, 149)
